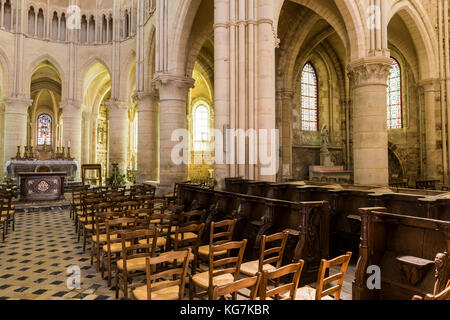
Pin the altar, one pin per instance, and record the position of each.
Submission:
(14, 167)
(41, 186)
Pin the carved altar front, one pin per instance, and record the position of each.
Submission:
(41, 186)
(14, 167)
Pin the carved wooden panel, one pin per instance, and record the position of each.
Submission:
(41, 187)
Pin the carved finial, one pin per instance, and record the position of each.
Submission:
(442, 272)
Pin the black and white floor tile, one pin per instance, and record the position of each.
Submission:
(34, 260)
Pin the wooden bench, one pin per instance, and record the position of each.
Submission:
(404, 248)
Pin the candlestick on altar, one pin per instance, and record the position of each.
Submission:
(18, 156)
(68, 153)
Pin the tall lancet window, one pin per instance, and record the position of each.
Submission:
(309, 99)
(201, 126)
(394, 97)
(44, 135)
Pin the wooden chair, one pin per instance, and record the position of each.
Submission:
(221, 271)
(98, 230)
(8, 210)
(113, 247)
(248, 283)
(165, 289)
(86, 218)
(187, 219)
(164, 223)
(267, 257)
(308, 293)
(134, 254)
(219, 233)
(189, 237)
(444, 295)
(3, 219)
(172, 197)
(76, 201)
(277, 292)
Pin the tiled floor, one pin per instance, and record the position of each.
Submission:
(34, 260)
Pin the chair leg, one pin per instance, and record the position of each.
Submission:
(117, 283)
(125, 286)
(84, 239)
(109, 270)
(92, 253)
(191, 289)
(98, 257)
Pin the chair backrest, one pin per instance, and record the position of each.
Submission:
(294, 269)
(77, 193)
(117, 227)
(141, 212)
(133, 248)
(270, 253)
(181, 272)
(325, 265)
(221, 232)
(157, 203)
(181, 242)
(99, 222)
(230, 264)
(248, 283)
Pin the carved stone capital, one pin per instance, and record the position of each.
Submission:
(17, 105)
(71, 107)
(117, 105)
(429, 85)
(285, 94)
(172, 87)
(146, 101)
(366, 72)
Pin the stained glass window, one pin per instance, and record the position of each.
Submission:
(394, 97)
(44, 130)
(309, 98)
(201, 127)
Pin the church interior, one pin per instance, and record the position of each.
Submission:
(222, 149)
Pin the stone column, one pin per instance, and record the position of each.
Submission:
(430, 89)
(172, 104)
(147, 138)
(267, 41)
(72, 117)
(370, 137)
(284, 121)
(118, 134)
(15, 126)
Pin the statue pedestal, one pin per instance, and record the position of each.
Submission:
(329, 173)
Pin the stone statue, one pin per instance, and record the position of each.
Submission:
(325, 155)
(325, 138)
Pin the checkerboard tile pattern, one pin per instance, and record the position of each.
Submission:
(34, 260)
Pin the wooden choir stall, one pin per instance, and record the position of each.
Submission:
(405, 232)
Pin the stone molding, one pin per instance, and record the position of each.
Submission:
(366, 72)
